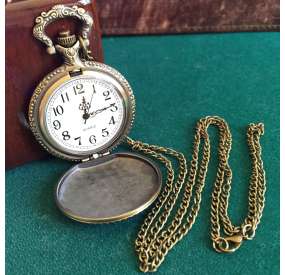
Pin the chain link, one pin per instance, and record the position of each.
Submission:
(156, 237)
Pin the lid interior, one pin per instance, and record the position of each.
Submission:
(111, 188)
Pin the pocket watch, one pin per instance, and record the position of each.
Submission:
(80, 112)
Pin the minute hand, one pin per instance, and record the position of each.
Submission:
(92, 114)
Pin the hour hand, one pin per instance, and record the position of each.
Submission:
(84, 106)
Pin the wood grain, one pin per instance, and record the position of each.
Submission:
(183, 16)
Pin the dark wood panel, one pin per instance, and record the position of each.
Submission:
(26, 64)
(180, 16)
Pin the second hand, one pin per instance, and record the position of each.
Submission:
(94, 91)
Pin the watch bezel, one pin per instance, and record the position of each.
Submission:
(56, 78)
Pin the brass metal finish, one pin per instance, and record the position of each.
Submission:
(58, 12)
(66, 39)
(117, 194)
(155, 239)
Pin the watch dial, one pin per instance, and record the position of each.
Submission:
(84, 114)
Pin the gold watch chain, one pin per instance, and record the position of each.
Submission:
(155, 239)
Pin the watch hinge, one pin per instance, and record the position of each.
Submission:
(75, 72)
(95, 156)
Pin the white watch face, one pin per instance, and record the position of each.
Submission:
(84, 114)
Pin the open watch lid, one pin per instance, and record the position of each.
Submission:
(108, 189)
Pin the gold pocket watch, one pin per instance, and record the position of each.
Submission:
(80, 112)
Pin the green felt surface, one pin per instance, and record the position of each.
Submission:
(176, 80)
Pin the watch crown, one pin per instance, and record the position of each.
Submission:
(65, 39)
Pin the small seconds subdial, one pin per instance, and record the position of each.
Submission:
(84, 114)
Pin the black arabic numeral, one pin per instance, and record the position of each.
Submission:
(65, 135)
(92, 139)
(114, 107)
(105, 133)
(56, 125)
(79, 140)
(94, 90)
(78, 89)
(112, 121)
(107, 95)
(64, 97)
(58, 110)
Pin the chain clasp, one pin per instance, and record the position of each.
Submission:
(228, 244)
